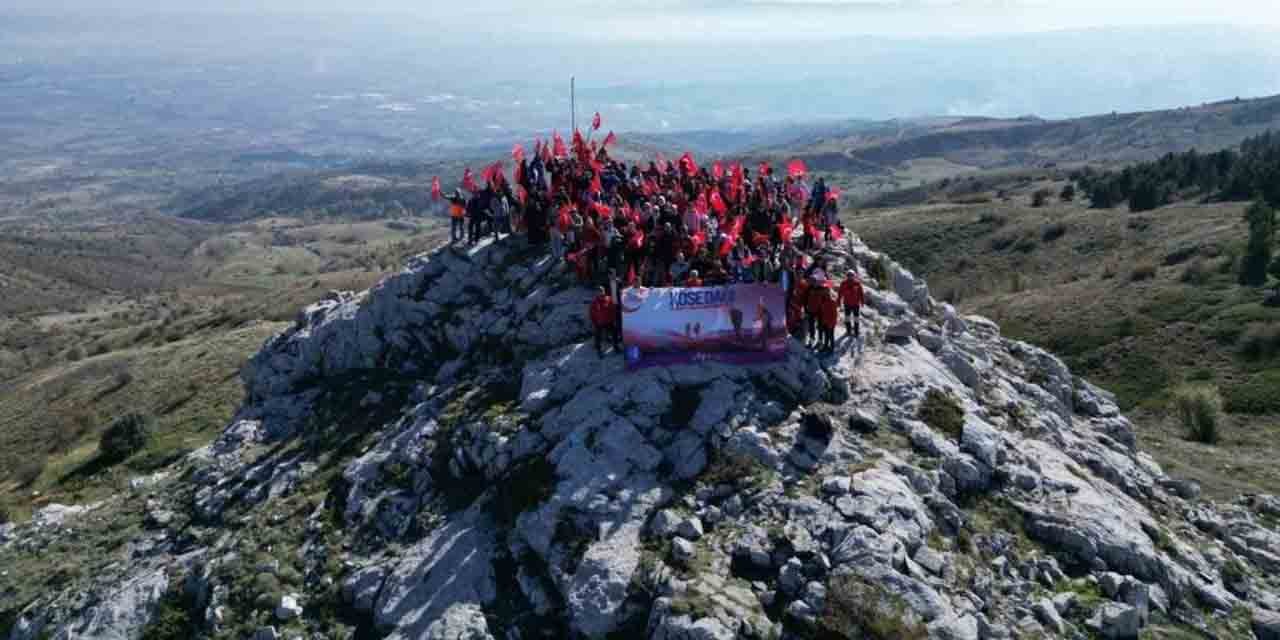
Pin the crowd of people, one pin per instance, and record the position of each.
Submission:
(666, 224)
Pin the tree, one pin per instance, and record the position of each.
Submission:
(1145, 196)
(1257, 253)
(1068, 192)
(126, 436)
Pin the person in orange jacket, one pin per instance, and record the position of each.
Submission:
(852, 295)
(828, 316)
(602, 314)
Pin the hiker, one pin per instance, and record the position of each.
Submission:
(829, 317)
(478, 212)
(602, 314)
(852, 295)
(813, 309)
(501, 209)
(457, 216)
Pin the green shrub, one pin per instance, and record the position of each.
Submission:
(1196, 273)
(1041, 197)
(1052, 232)
(1262, 234)
(1257, 396)
(941, 411)
(126, 436)
(1260, 341)
(1145, 271)
(1200, 411)
(1068, 192)
(858, 609)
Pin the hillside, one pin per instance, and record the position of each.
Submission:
(897, 155)
(1146, 305)
(444, 456)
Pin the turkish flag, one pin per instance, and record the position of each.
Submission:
(763, 168)
(436, 193)
(469, 181)
(717, 170)
(596, 187)
(608, 140)
(661, 162)
(833, 194)
(595, 122)
(560, 151)
(517, 152)
(836, 232)
(687, 165)
(717, 203)
(785, 230)
(796, 168)
(700, 205)
(650, 187)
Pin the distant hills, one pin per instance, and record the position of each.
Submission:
(872, 157)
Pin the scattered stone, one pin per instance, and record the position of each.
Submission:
(288, 608)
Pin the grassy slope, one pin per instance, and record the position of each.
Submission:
(1084, 296)
(173, 352)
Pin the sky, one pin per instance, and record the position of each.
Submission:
(715, 20)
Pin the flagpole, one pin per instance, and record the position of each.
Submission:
(573, 105)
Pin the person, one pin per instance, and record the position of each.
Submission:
(457, 216)
(765, 317)
(813, 308)
(602, 319)
(478, 211)
(679, 269)
(829, 317)
(852, 295)
(694, 279)
(501, 216)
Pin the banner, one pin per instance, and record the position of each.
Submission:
(736, 324)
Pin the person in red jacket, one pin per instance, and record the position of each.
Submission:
(813, 309)
(694, 280)
(602, 319)
(828, 317)
(852, 296)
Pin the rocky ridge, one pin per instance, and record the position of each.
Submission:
(445, 456)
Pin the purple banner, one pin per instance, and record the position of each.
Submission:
(737, 324)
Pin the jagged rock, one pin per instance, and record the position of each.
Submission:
(682, 550)
(664, 524)
(690, 528)
(288, 608)
(459, 622)
(360, 589)
(900, 333)
(1047, 613)
(836, 485)
(1266, 624)
(1115, 621)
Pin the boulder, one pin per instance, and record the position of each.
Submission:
(289, 608)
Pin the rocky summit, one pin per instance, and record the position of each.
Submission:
(445, 456)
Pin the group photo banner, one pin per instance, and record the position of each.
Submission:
(737, 324)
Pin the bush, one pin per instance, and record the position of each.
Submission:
(1196, 273)
(126, 436)
(75, 354)
(1052, 232)
(1257, 255)
(1257, 396)
(942, 412)
(1041, 197)
(1145, 271)
(1199, 409)
(1260, 341)
(858, 609)
(1068, 193)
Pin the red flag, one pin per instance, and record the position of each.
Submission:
(595, 122)
(717, 203)
(608, 140)
(436, 193)
(717, 170)
(493, 174)
(700, 205)
(602, 210)
(785, 230)
(699, 239)
(560, 151)
(687, 165)
(763, 169)
(517, 153)
(833, 194)
(469, 181)
(631, 275)
(661, 162)
(518, 172)
(836, 232)
(650, 187)
(522, 195)
(579, 146)
(546, 152)
(796, 168)
(596, 187)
